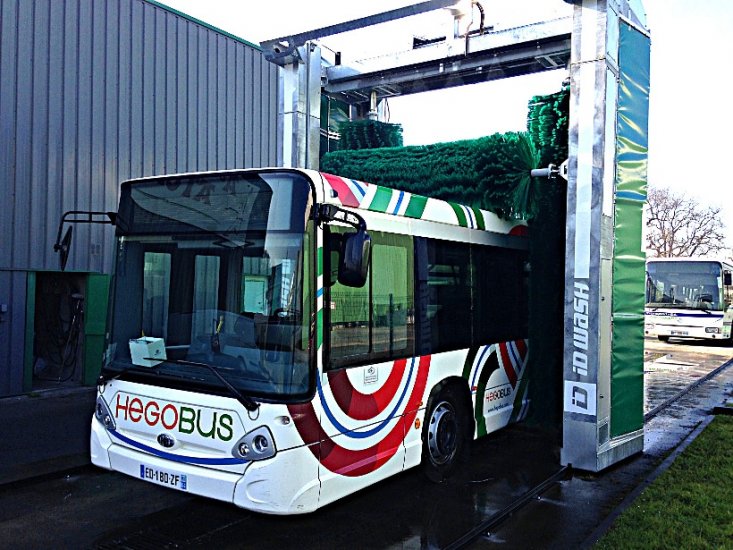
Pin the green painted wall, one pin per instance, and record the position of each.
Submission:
(30, 319)
(95, 322)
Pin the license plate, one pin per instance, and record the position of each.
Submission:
(679, 333)
(164, 477)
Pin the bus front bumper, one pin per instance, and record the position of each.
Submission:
(285, 484)
(682, 331)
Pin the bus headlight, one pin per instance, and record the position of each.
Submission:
(650, 326)
(712, 330)
(103, 414)
(255, 445)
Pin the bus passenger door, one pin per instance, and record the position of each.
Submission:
(365, 389)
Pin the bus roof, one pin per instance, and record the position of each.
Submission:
(376, 198)
(727, 263)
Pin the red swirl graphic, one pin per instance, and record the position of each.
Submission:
(519, 230)
(507, 364)
(361, 406)
(354, 463)
(345, 194)
(521, 348)
(513, 371)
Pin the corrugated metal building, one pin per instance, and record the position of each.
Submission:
(91, 94)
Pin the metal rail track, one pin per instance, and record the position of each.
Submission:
(486, 526)
(712, 374)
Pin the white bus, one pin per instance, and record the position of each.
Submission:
(689, 298)
(282, 338)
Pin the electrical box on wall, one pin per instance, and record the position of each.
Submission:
(66, 315)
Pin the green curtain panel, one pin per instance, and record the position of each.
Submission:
(627, 353)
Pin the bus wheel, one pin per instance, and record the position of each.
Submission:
(445, 435)
(663, 338)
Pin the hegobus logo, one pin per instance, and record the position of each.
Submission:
(185, 420)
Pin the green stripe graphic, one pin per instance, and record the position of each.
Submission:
(491, 365)
(319, 328)
(416, 206)
(460, 214)
(518, 399)
(480, 223)
(381, 200)
(469, 362)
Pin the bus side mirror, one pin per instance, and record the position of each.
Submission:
(64, 247)
(63, 244)
(355, 254)
(727, 278)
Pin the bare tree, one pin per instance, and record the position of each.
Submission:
(679, 226)
(728, 254)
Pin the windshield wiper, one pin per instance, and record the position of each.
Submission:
(248, 403)
(102, 379)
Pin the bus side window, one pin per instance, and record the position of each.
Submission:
(444, 290)
(392, 297)
(468, 295)
(375, 322)
(727, 288)
(332, 252)
(500, 309)
(348, 309)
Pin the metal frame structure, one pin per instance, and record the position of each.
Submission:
(462, 57)
(606, 48)
(604, 265)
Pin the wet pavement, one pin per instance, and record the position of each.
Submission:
(402, 512)
(671, 367)
(93, 508)
(568, 515)
(44, 432)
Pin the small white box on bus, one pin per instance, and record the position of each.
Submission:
(147, 351)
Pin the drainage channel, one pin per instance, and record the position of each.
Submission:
(486, 526)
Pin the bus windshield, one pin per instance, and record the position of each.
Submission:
(214, 268)
(685, 285)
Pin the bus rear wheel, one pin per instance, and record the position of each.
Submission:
(446, 435)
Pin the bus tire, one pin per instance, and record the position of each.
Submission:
(446, 434)
(663, 338)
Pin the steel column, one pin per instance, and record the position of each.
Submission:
(588, 441)
(299, 110)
